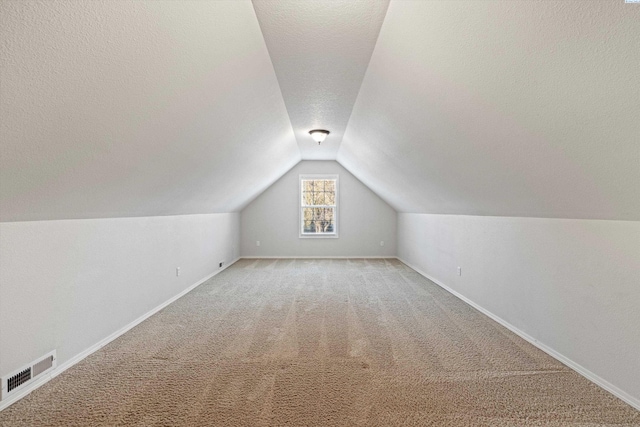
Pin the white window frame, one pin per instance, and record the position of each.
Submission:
(304, 235)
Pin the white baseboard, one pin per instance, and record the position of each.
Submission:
(77, 358)
(320, 257)
(621, 394)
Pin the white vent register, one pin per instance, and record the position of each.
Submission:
(20, 378)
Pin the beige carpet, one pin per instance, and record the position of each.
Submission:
(319, 343)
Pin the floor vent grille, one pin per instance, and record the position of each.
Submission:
(15, 381)
(42, 365)
(18, 379)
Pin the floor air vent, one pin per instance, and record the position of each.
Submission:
(18, 379)
(25, 375)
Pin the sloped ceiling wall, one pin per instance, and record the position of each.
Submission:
(502, 108)
(142, 108)
(136, 108)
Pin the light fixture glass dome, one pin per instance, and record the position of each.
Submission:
(318, 135)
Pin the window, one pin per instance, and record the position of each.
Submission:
(318, 205)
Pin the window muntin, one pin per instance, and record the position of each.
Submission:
(318, 206)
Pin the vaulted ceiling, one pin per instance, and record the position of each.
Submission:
(320, 51)
(143, 108)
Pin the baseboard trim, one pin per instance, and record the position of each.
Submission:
(77, 358)
(319, 257)
(620, 394)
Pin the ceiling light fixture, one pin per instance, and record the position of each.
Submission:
(318, 135)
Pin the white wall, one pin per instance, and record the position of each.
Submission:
(69, 284)
(573, 285)
(272, 218)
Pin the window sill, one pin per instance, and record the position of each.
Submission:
(319, 236)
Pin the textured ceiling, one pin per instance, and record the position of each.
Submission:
(140, 108)
(136, 108)
(502, 108)
(320, 52)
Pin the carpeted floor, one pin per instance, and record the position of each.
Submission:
(319, 343)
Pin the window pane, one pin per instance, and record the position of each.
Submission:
(318, 220)
(307, 214)
(328, 214)
(307, 198)
(307, 227)
(318, 192)
(329, 198)
(318, 198)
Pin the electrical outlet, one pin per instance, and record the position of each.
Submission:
(459, 271)
(177, 271)
(381, 242)
(257, 242)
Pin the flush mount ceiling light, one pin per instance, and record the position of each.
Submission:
(318, 135)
